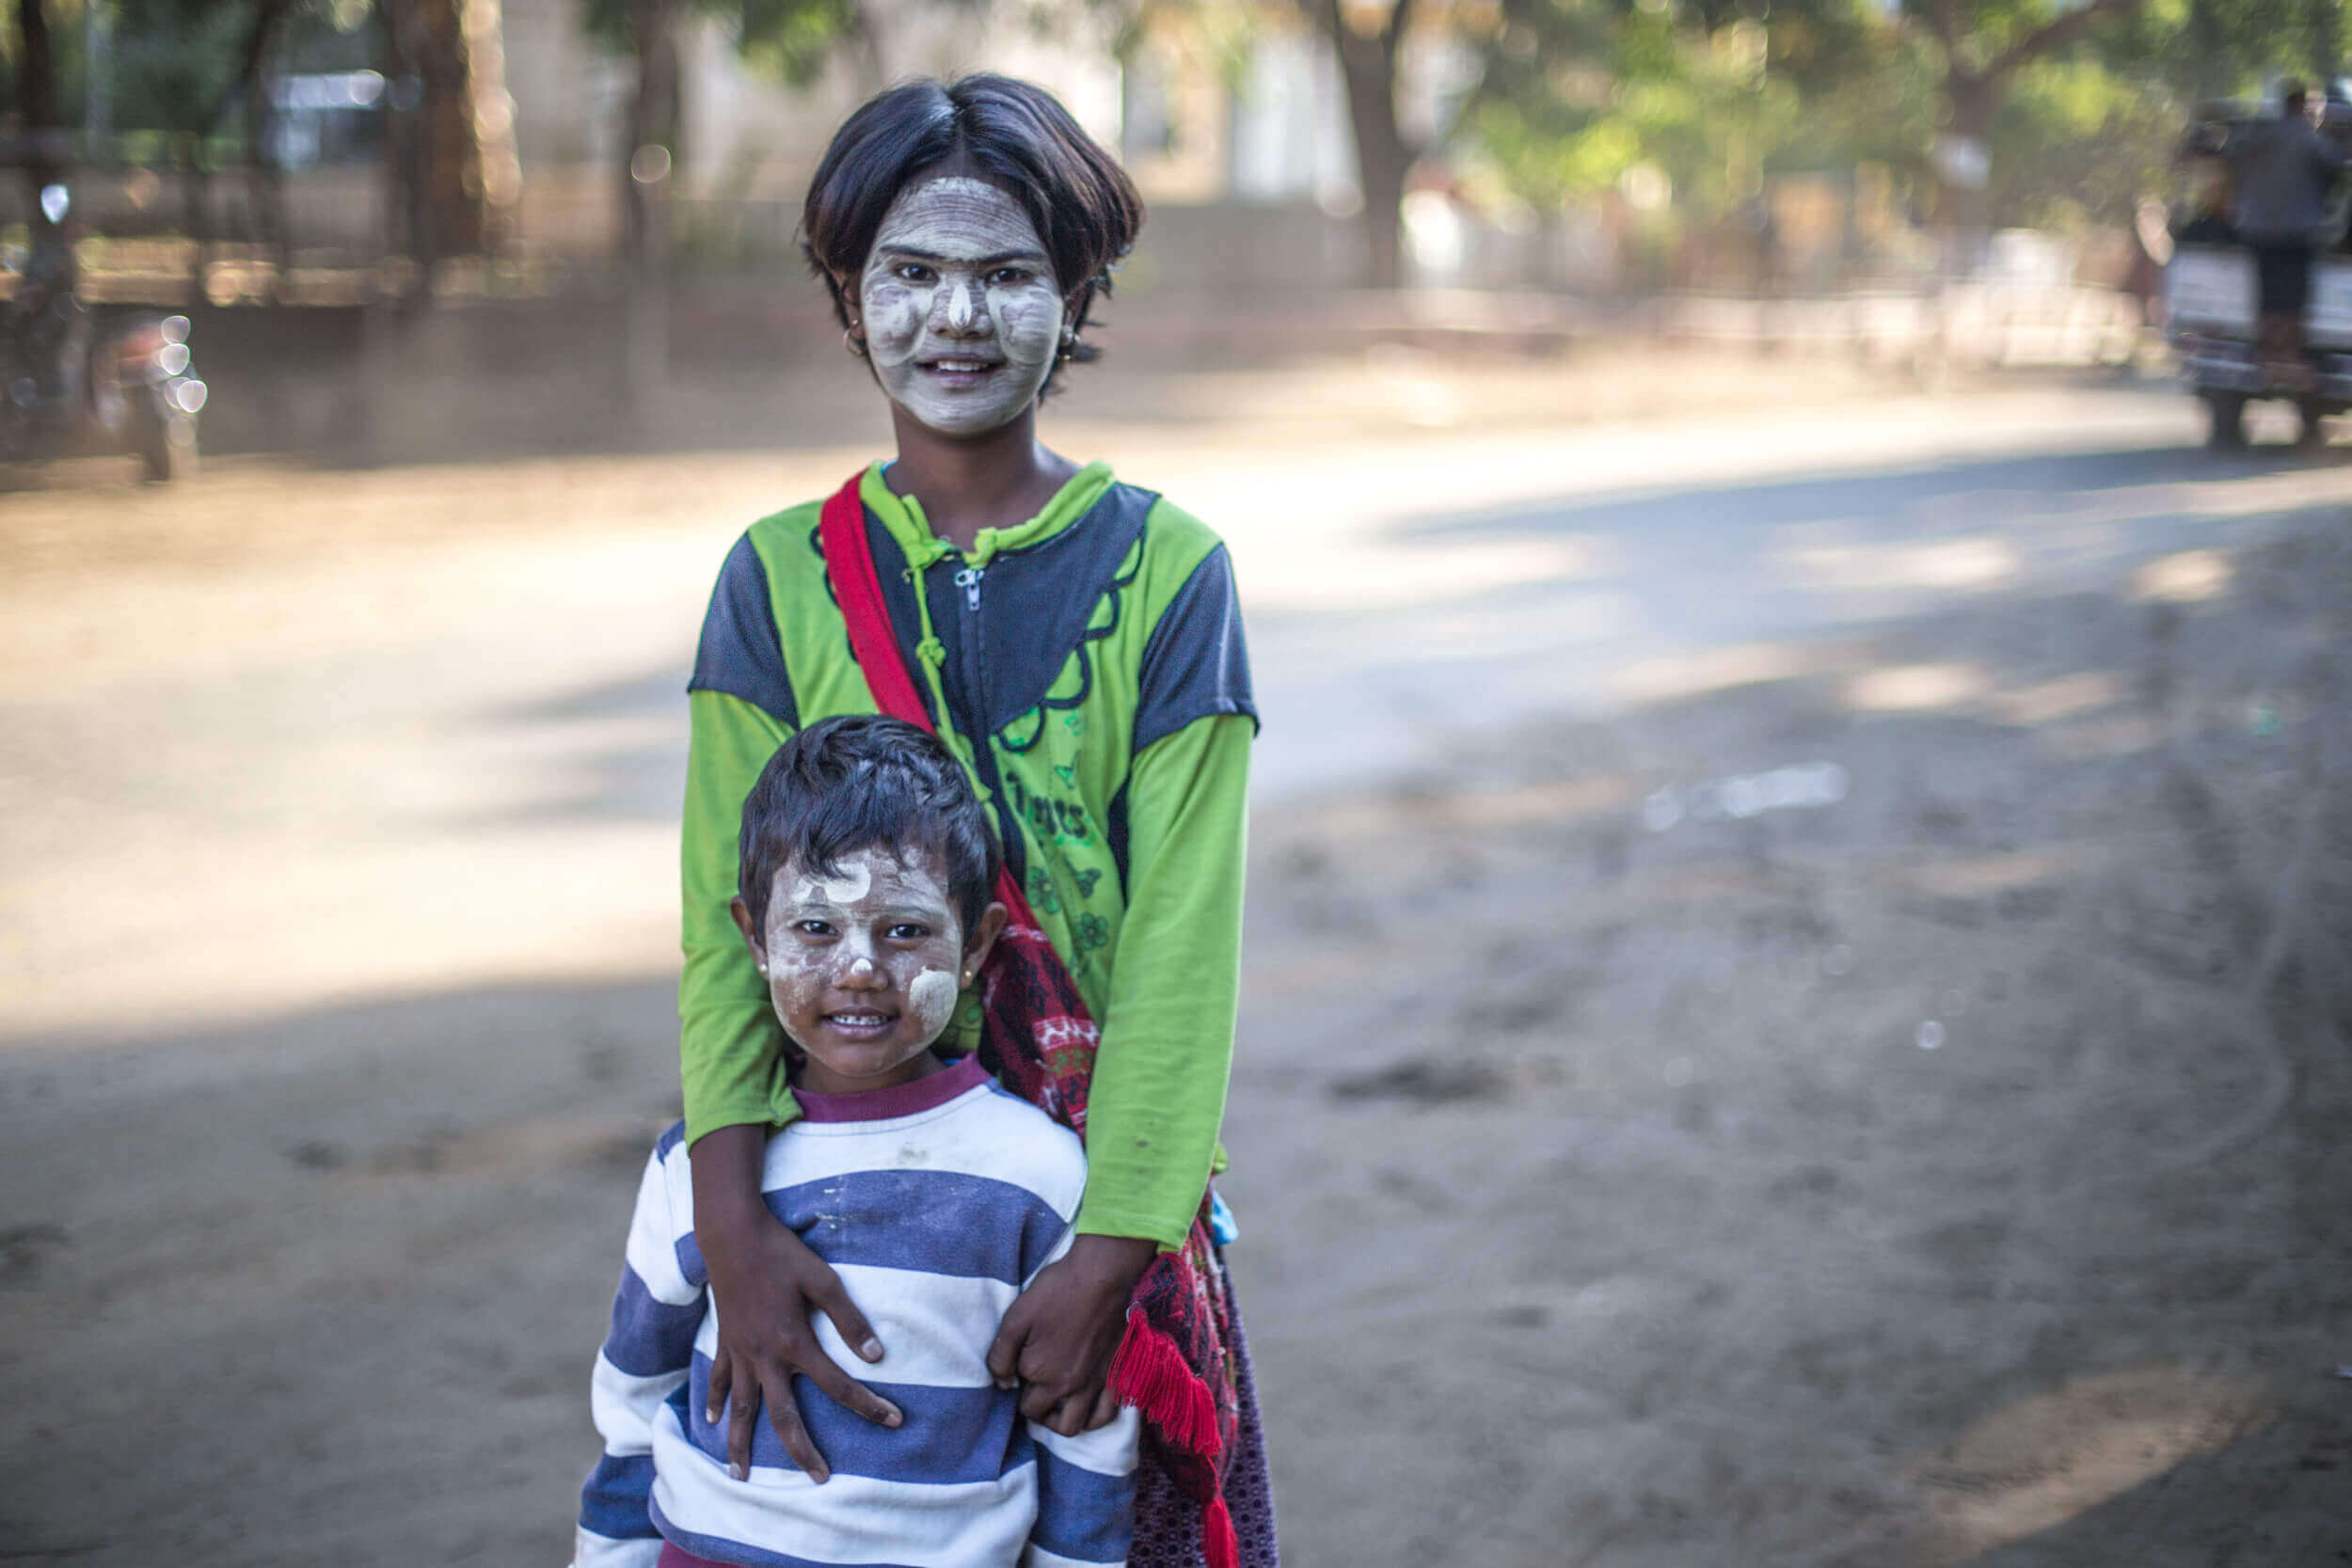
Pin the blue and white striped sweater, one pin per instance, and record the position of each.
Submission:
(935, 1207)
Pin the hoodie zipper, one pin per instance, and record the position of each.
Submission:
(968, 645)
(968, 648)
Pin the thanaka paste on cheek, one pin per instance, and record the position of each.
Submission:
(959, 309)
(933, 995)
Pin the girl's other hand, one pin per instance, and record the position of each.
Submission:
(767, 1284)
(1059, 1337)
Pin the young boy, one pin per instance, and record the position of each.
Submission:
(867, 869)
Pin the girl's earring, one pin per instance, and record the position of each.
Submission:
(1069, 342)
(855, 344)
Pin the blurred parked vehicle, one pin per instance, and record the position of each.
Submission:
(70, 385)
(2211, 292)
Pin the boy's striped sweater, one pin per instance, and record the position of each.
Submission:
(936, 1202)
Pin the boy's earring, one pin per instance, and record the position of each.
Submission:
(855, 344)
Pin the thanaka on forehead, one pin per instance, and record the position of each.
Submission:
(911, 253)
(875, 876)
(952, 184)
(942, 207)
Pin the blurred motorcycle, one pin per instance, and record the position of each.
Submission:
(69, 387)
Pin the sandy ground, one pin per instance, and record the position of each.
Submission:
(1847, 1081)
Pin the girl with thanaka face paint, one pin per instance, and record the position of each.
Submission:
(1077, 641)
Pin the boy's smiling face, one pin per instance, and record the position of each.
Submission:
(960, 312)
(864, 967)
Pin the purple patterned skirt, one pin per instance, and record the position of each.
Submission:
(1168, 1523)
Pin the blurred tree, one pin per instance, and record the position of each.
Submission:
(181, 65)
(791, 41)
(1366, 38)
(34, 101)
(2218, 48)
(1979, 47)
(195, 68)
(2078, 140)
(1575, 93)
(450, 142)
(2031, 113)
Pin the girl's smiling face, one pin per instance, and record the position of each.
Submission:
(962, 313)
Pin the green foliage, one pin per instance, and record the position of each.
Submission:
(793, 40)
(790, 40)
(170, 62)
(1576, 92)
(2220, 48)
(2076, 141)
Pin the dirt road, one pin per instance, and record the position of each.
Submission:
(1792, 1014)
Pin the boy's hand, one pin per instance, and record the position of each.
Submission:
(766, 1282)
(1059, 1337)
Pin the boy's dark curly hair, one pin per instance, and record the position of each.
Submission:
(1010, 133)
(864, 782)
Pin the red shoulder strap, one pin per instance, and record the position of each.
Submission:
(857, 588)
(849, 562)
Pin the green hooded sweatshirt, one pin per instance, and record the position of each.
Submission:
(1089, 668)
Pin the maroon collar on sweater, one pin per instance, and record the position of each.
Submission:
(903, 1100)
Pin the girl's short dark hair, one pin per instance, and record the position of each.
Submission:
(1081, 201)
(864, 782)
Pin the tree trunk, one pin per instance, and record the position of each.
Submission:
(648, 169)
(37, 79)
(496, 162)
(654, 113)
(406, 230)
(265, 182)
(1368, 67)
(470, 175)
(1967, 202)
(452, 178)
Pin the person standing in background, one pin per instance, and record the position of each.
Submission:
(2283, 171)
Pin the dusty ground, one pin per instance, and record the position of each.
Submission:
(1638, 1164)
(1952, 1173)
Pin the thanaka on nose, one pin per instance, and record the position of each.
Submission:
(864, 955)
(962, 303)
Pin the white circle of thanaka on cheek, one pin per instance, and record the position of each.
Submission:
(959, 271)
(933, 997)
